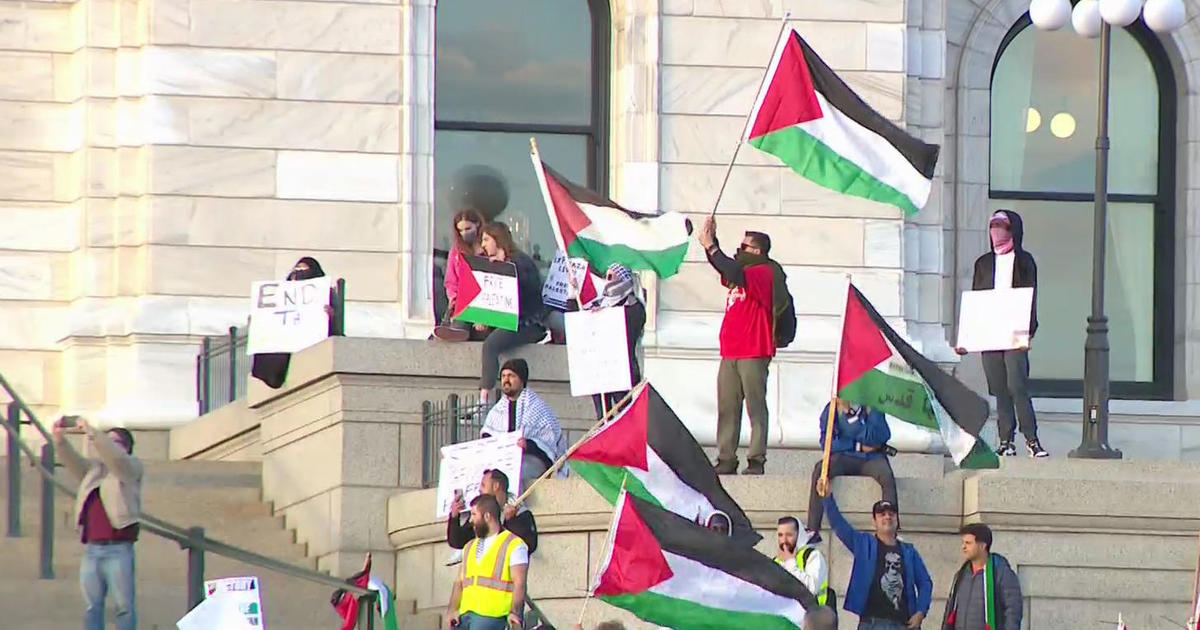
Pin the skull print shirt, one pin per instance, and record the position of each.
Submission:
(887, 600)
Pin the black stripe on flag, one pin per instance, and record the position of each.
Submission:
(678, 448)
(585, 195)
(922, 155)
(968, 409)
(487, 265)
(682, 537)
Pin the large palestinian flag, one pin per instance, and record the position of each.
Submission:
(649, 450)
(487, 292)
(809, 118)
(588, 225)
(671, 572)
(877, 368)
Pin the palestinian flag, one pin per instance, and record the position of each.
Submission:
(487, 292)
(648, 444)
(811, 120)
(877, 368)
(347, 605)
(588, 225)
(671, 572)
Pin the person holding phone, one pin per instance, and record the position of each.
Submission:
(108, 507)
(489, 590)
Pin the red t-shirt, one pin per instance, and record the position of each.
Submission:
(97, 527)
(748, 330)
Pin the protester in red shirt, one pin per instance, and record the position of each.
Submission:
(757, 294)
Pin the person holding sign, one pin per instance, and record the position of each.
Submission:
(468, 227)
(497, 243)
(1009, 266)
(519, 409)
(621, 291)
(272, 367)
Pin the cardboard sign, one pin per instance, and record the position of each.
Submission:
(557, 292)
(488, 293)
(215, 614)
(243, 592)
(463, 465)
(288, 316)
(597, 351)
(997, 319)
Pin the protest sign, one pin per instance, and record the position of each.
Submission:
(463, 465)
(557, 292)
(997, 319)
(487, 292)
(243, 592)
(288, 316)
(597, 352)
(217, 613)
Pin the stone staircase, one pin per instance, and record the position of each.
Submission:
(224, 498)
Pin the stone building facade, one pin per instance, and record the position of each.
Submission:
(160, 155)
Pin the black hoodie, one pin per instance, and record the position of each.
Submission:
(272, 367)
(1024, 267)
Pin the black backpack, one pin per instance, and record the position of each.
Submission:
(785, 319)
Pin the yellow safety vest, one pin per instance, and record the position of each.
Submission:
(487, 585)
(823, 594)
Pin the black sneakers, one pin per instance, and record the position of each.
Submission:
(1035, 449)
(726, 467)
(1006, 449)
(754, 467)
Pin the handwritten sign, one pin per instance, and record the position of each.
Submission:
(244, 592)
(597, 351)
(557, 291)
(463, 465)
(997, 319)
(288, 316)
(487, 293)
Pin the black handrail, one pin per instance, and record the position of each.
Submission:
(193, 539)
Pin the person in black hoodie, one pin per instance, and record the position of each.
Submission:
(1009, 266)
(272, 367)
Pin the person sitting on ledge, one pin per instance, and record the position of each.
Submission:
(519, 409)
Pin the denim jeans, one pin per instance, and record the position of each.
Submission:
(471, 621)
(868, 623)
(108, 569)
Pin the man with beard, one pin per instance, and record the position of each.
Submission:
(489, 592)
(516, 519)
(890, 588)
(520, 409)
(757, 298)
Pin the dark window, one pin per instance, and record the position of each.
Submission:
(1044, 97)
(507, 71)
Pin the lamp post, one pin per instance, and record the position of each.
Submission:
(1095, 18)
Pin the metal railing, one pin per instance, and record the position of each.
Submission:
(457, 419)
(223, 366)
(191, 539)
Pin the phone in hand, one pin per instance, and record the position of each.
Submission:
(68, 422)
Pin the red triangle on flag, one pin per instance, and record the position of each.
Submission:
(468, 286)
(636, 561)
(622, 443)
(789, 97)
(570, 218)
(863, 345)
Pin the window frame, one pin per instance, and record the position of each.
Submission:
(596, 131)
(1162, 384)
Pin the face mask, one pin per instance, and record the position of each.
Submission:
(745, 257)
(469, 235)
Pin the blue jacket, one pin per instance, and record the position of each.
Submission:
(870, 429)
(918, 586)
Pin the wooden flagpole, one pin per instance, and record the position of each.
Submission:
(612, 524)
(574, 447)
(787, 15)
(832, 415)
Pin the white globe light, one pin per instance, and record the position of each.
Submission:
(1164, 16)
(1050, 15)
(1120, 12)
(1085, 19)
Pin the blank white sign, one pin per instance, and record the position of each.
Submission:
(996, 319)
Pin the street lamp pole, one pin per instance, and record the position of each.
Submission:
(1095, 349)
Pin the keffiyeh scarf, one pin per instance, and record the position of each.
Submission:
(535, 420)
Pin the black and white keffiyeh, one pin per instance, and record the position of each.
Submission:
(535, 420)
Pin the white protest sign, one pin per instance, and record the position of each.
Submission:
(557, 291)
(463, 465)
(597, 351)
(217, 613)
(996, 319)
(288, 316)
(243, 592)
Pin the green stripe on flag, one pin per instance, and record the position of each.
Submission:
(989, 593)
(814, 160)
(981, 456)
(681, 613)
(895, 396)
(495, 319)
(664, 262)
(608, 480)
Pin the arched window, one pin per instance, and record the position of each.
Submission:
(1043, 131)
(507, 71)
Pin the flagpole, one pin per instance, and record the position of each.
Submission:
(832, 414)
(536, 159)
(574, 447)
(787, 15)
(612, 525)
